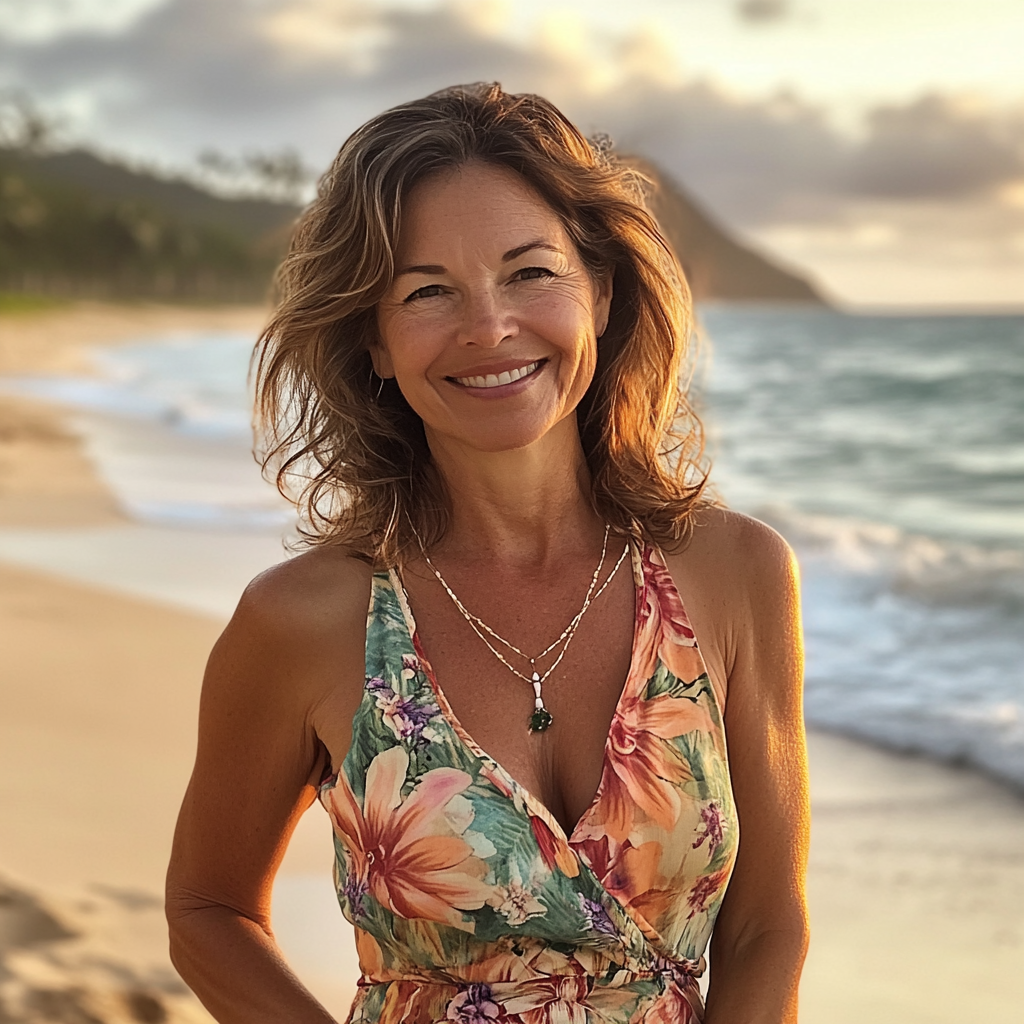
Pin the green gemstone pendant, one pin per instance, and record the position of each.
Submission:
(540, 720)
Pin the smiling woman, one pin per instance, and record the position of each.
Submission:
(476, 362)
(496, 320)
(356, 261)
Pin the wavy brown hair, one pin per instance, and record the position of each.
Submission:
(346, 446)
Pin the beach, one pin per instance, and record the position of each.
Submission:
(917, 868)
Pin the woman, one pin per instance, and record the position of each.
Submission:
(475, 361)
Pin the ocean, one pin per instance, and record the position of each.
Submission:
(888, 450)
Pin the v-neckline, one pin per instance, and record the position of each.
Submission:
(639, 582)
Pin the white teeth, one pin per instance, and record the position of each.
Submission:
(494, 381)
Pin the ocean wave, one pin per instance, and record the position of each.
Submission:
(933, 570)
(210, 515)
(913, 642)
(192, 383)
(178, 408)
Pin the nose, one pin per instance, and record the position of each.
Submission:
(487, 321)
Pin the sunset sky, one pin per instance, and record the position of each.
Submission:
(876, 144)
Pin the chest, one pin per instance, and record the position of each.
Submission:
(561, 766)
(647, 842)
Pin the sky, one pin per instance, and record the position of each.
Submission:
(875, 145)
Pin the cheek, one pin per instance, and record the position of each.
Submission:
(564, 320)
(409, 343)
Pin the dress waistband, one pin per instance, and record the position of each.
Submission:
(682, 971)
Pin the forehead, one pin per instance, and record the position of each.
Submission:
(478, 206)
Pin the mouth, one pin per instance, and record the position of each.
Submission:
(497, 380)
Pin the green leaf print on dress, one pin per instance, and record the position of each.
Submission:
(469, 900)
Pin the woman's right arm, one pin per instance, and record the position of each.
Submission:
(282, 683)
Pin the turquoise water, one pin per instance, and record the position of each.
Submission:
(915, 422)
(889, 451)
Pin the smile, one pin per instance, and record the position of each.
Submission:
(497, 380)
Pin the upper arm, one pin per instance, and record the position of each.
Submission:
(292, 649)
(742, 581)
(765, 734)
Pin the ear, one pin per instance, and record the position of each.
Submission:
(602, 303)
(381, 360)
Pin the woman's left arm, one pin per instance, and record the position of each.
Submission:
(761, 935)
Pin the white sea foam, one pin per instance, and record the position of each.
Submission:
(888, 451)
(912, 642)
(167, 424)
(932, 570)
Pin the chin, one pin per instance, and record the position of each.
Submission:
(495, 432)
(495, 441)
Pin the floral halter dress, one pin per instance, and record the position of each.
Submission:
(470, 902)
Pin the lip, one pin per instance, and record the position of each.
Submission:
(495, 369)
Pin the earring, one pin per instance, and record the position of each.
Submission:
(380, 386)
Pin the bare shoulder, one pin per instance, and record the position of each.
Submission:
(739, 581)
(320, 589)
(298, 632)
(280, 691)
(733, 552)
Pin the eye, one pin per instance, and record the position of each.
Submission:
(428, 291)
(533, 273)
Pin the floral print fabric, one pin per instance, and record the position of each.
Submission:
(470, 902)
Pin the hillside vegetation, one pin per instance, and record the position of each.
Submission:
(73, 225)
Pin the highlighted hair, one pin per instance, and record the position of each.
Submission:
(348, 449)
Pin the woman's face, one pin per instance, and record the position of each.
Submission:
(490, 326)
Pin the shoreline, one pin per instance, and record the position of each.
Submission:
(916, 867)
(46, 480)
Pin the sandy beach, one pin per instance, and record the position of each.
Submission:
(917, 869)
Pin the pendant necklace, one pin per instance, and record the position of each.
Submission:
(541, 718)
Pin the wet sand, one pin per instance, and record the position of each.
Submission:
(917, 869)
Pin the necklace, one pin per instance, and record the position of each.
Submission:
(541, 718)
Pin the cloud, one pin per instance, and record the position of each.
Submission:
(191, 73)
(239, 75)
(751, 160)
(937, 147)
(759, 12)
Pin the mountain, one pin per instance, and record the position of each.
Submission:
(717, 266)
(74, 223)
(112, 181)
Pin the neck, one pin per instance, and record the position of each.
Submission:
(522, 507)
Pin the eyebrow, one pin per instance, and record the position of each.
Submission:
(519, 250)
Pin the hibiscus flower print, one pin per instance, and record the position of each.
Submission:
(406, 718)
(403, 851)
(472, 904)
(711, 820)
(516, 903)
(475, 1005)
(596, 917)
(557, 1000)
(705, 890)
(680, 1004)
(663, 620)
(554, 850)
(643, 771)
